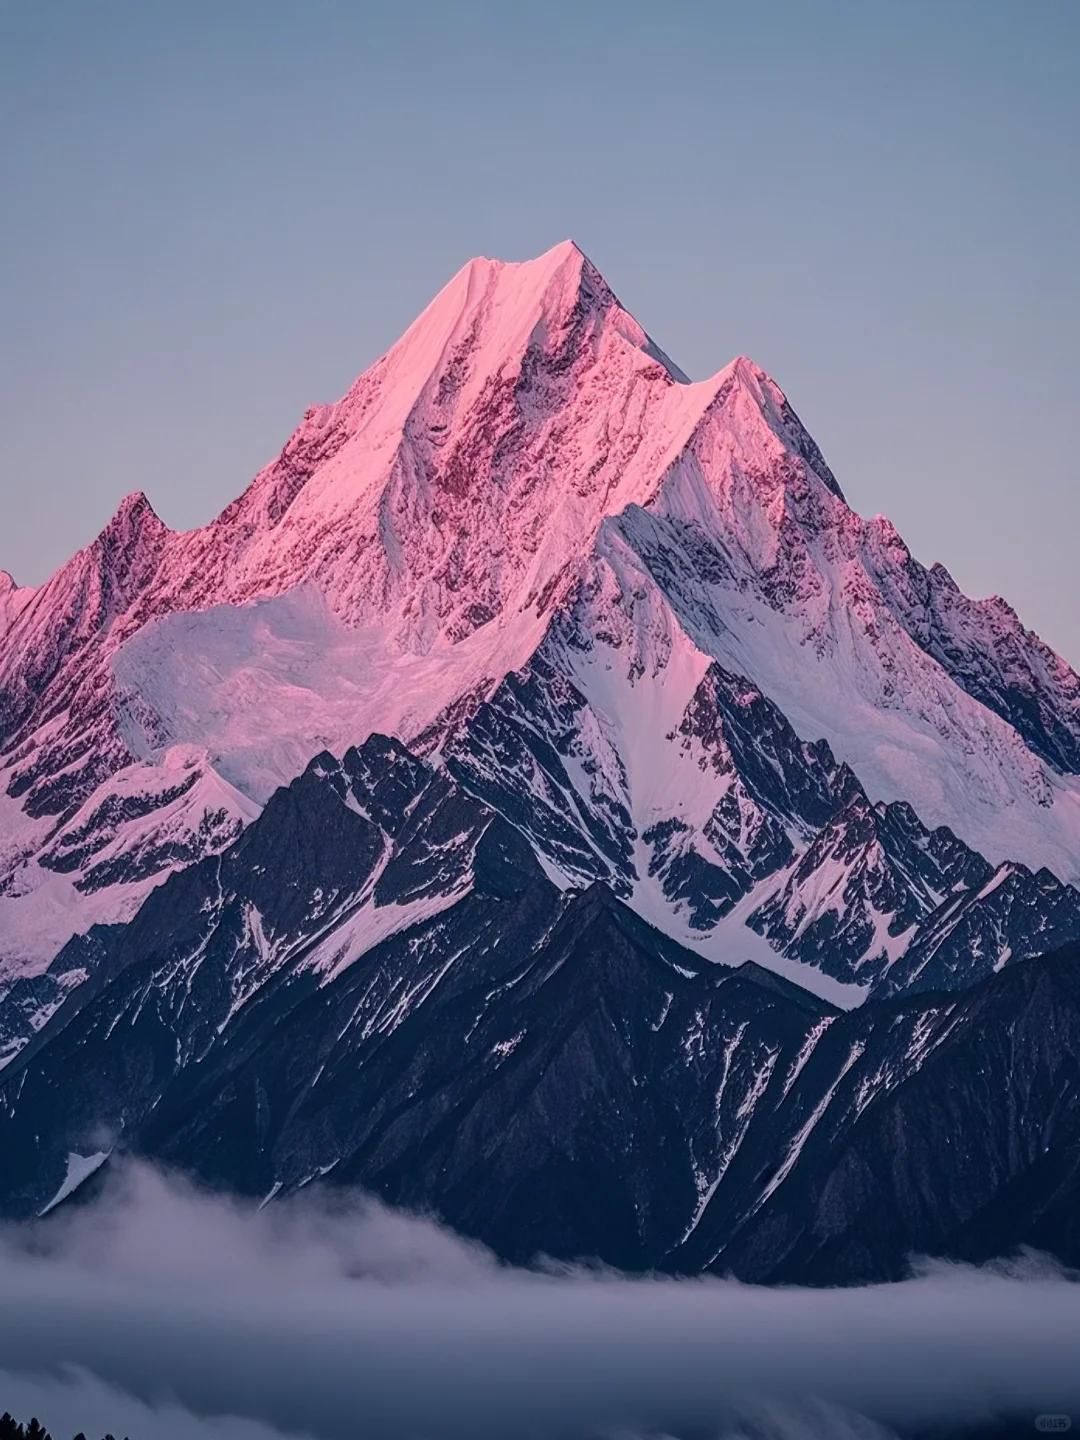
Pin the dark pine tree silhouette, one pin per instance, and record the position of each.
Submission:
(10, 1429)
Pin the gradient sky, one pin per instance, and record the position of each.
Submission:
(215, 214)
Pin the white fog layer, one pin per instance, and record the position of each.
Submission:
(340, 1319)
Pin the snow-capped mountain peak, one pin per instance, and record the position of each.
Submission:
(13, 599)
(545, 763)
(523, 480)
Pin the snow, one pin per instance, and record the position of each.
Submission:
(13, 600)
(79, 1169)
(761, 1081)
(929, 1034)
(504, 1048)
(795, 1149)
(371, 925)
(731, 942)
(1000, 875)
(808, 1047)
(659, 1021)
(42, 907)
(884, 943)
(707, 1187)
(638, 693)
(905, 726)
(267, 685)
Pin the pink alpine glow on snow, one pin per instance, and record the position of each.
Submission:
(524, 453)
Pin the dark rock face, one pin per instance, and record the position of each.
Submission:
(986, 649)
(348, 845)
(499, 1061)
(872, 878)
(970, 1151)
(563, 1092)
(378, 985)
(863, 892)
(513, 753)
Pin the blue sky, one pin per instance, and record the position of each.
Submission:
(216, 214)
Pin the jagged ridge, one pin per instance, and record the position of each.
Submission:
(378, 985)
(526, 486)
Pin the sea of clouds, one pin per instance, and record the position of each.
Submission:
(165, 1313)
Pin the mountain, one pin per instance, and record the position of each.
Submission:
(159, 688)
(377, 984)
(539, 763)
(970, 1150)
(523, 483)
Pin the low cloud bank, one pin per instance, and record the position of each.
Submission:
(159, 1309)
(77, 1402)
